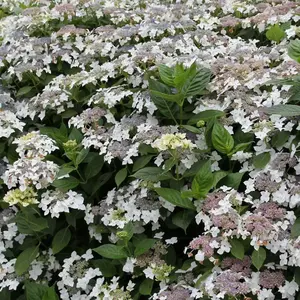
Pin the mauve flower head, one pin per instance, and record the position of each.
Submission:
(203, 243)
(258, 225)
(238, 265)
(224, 221)
(212, 201)
(231, 283)
(175, 293)
(270, 280)
(271, 211)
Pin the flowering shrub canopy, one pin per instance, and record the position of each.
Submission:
(140, 157)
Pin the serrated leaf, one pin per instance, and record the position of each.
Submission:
(280, 138)
(218, 176)
(192, 129)
(175, 198)
(50, 294)
(81, 156)
(25, 259)
(111, 251)
(64, 170)
(258, 257)
(61, 240)
(35, 291)
(261, 160)
(143, 246)
(275, 33)
(93, 167)
(285, 110)
(221, 139)
(195, 85)
(237, 249)
(204, 180)
(105, 266)
(166, 74)
(121, 176)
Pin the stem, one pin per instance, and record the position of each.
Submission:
(181, 114)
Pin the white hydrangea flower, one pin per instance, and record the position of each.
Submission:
(55, 202)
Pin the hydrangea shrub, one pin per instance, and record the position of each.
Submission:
(149, 149)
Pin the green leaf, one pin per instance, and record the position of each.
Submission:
(294, 50)
(297, 275)
(175, 198)
(152, 174)
(121, 176)
(106, 267)
(261, 160)
(221, 139)
(54, 133)
(183, 219)
(24, 90)
(285, 110)
(180, 74)
(232, 180)
(81, 156)
(25, 259)
(204, 180)
(141, 162)
(205, 116)
(143, 246)
(69, 113)
(169, 97)
(61, 240)
(64, 170)
(66, 184)
(35, 291)
(166, 75)
(94, 166)
(50, 294)
(240, 147)
(195, 85)
(258, 257)
(146, 287)
(237, 249)
(111, 251)
(76, 135)
(280, 138)
(28, 223)
(192, 129)
(275, 33)
(295, 231)
(218, 176)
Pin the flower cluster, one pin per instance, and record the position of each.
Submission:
(139, 156)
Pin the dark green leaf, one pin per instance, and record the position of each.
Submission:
(35, 291)
(232, 180)
(183, 219)
(50, 294)
(111, 251)
(24, 90)
(61, 240)
(258, 257)
(192, 129)
(76, 135)
(295, 231)
(152, 174)
(121, 176)
(204, 180)
(106, 267)
(261, 160)
(141, 162)
(25, 259)
(66, 184)
(294, 50)
(146, 287)
(237, 249)
(175, 198)
(94, 166)
(218, 176)
(143, 246)
(64, 170)
(280, 138)
(81, 156)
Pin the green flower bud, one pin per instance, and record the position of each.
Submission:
(200, 123)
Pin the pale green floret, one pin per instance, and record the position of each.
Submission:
(161, 272)
(172, 141)
(24, 198)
